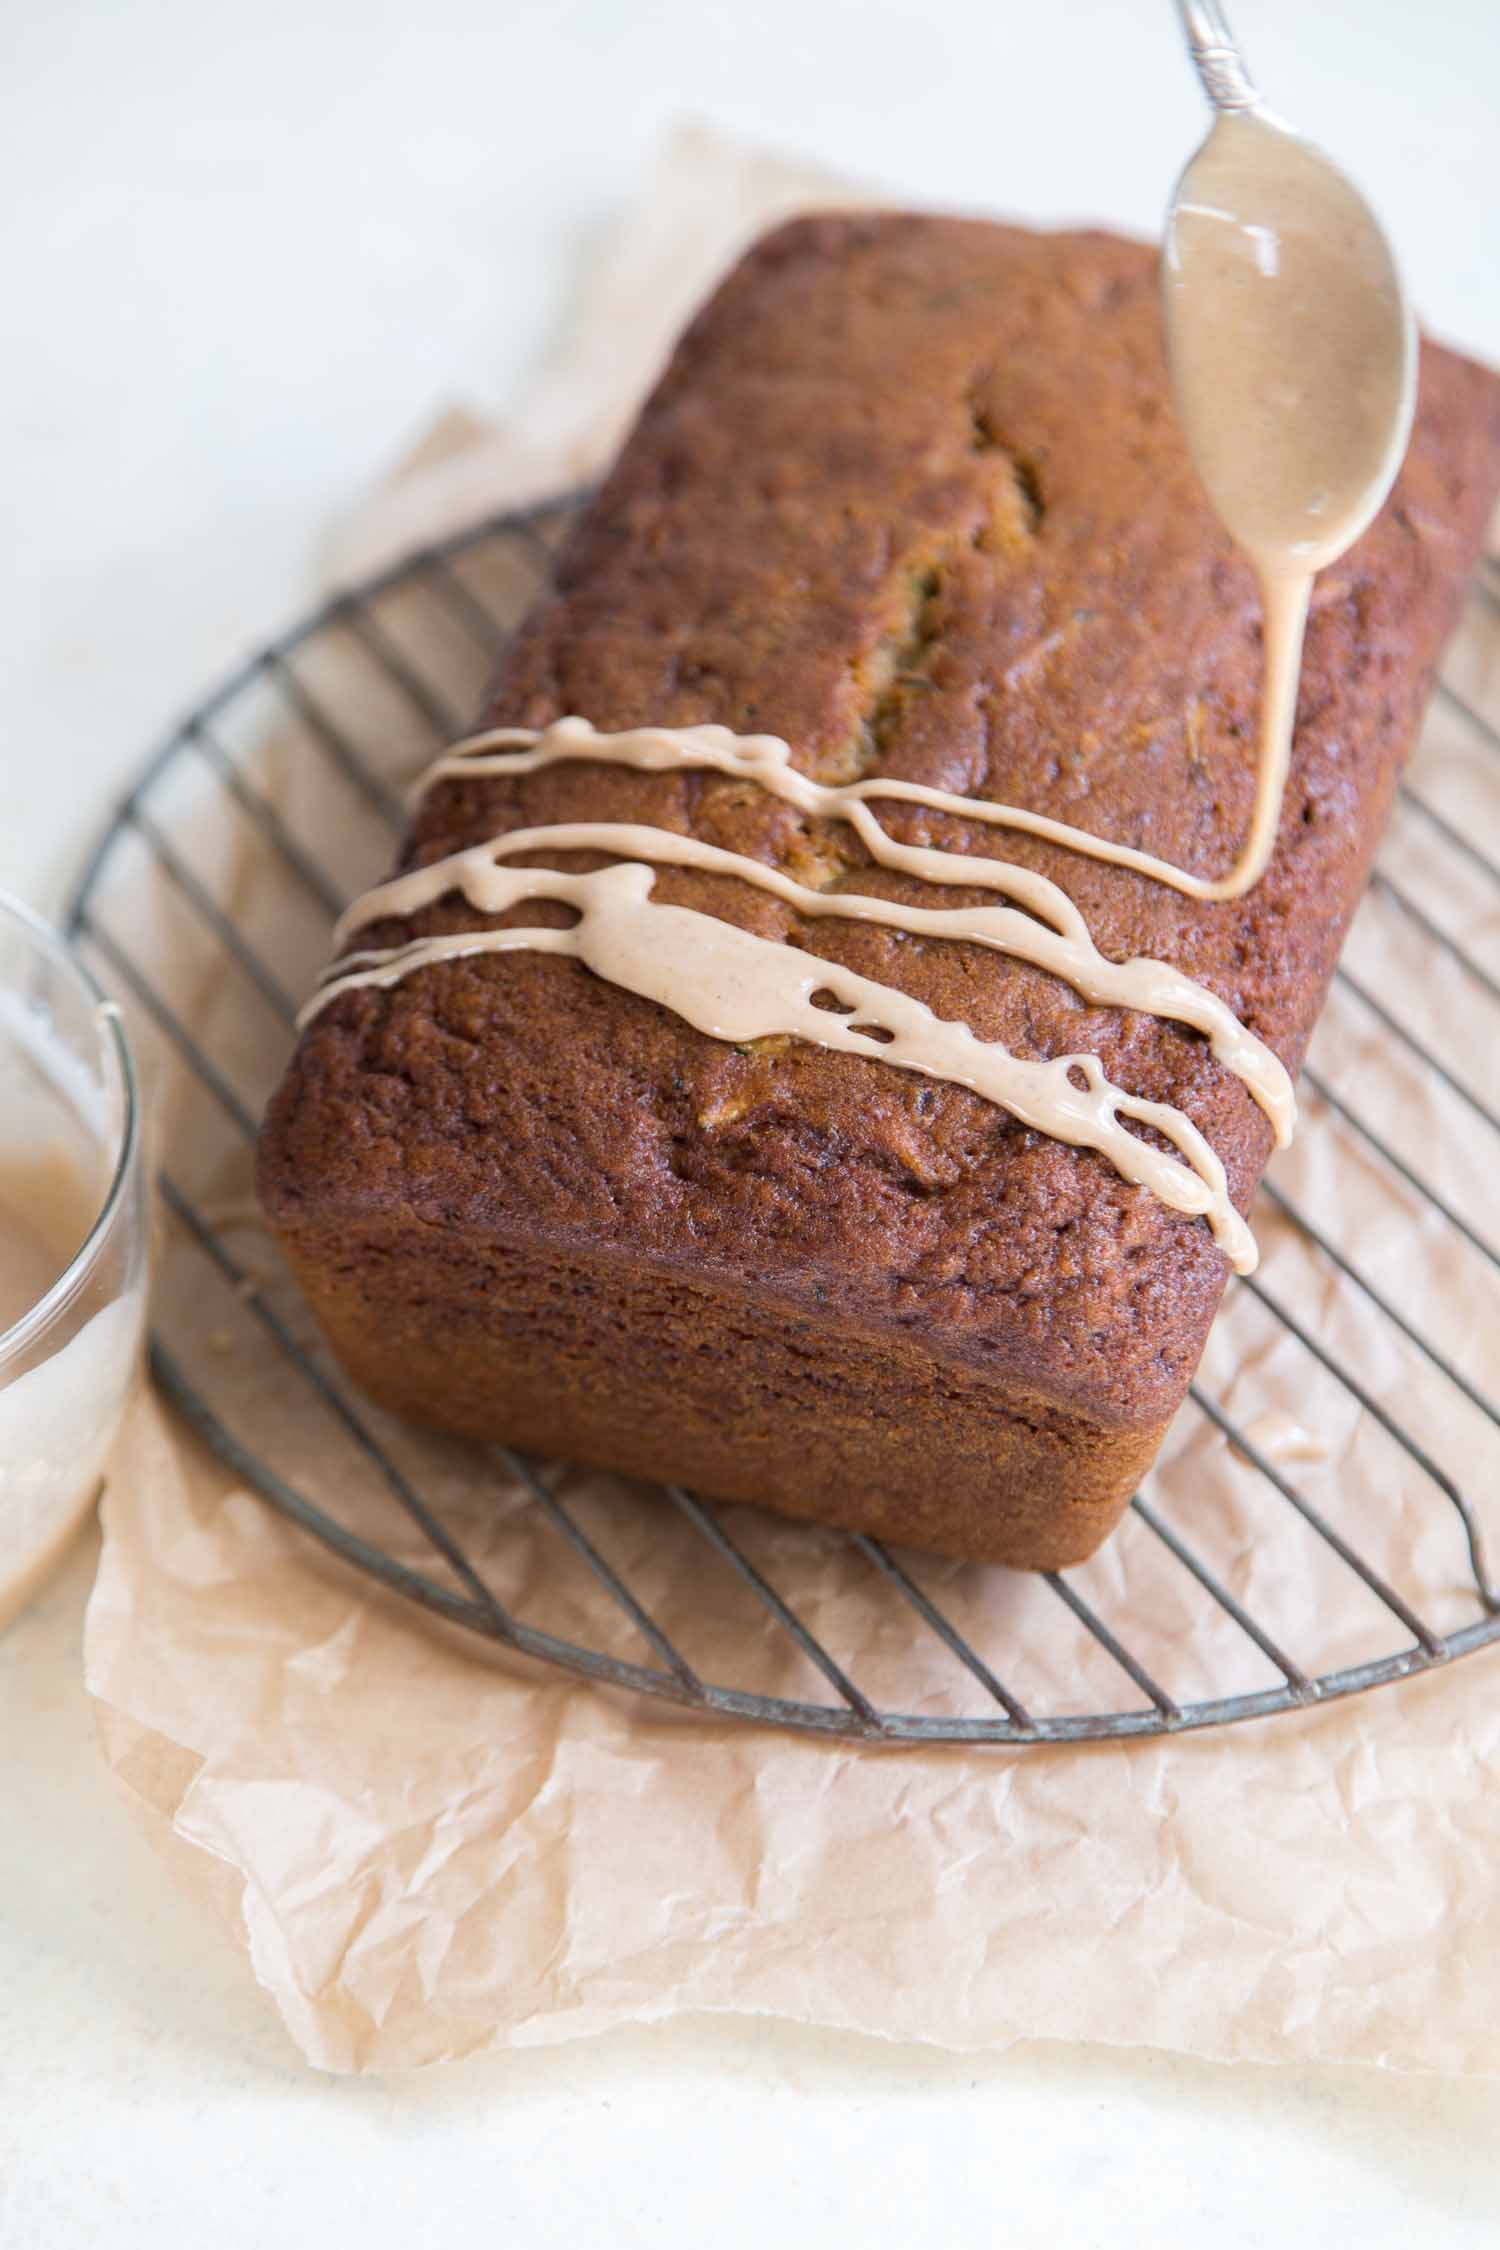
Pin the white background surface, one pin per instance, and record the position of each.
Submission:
(246, 251)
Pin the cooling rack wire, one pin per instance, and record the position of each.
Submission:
(1316, 1525)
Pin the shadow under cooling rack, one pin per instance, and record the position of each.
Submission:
(1315, 1526)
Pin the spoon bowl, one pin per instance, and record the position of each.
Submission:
(1292, 346)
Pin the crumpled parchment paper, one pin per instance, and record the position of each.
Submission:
(428, 1850)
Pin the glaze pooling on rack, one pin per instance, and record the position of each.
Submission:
(739, 987)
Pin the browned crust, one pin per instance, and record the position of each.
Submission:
(624, 1367)
(911, 495)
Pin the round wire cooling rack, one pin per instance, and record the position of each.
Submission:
(1315, 1524)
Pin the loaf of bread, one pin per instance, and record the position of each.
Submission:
(911, 496)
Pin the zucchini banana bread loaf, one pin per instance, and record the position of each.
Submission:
(910, 496)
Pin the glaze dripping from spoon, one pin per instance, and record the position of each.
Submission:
(1293, 360)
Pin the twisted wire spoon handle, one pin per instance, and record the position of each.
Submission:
(1216, 58)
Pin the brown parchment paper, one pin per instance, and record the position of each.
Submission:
(427, 1850)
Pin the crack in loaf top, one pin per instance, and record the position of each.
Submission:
(911, 496)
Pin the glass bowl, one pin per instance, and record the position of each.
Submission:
(73, 1246)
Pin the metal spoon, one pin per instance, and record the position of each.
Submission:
(1292, 346)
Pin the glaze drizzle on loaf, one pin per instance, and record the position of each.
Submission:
(739, 987)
